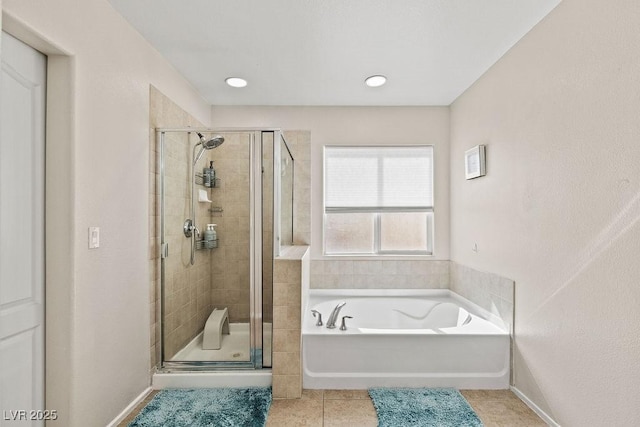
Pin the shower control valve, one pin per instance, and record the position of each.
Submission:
(187, 228)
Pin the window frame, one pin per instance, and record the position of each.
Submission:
(377, 231)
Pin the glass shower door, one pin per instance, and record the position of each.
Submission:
(212, 311)
(217, 312)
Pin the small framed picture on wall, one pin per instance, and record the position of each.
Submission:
(474, 162)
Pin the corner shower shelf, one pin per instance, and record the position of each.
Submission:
(200, 181)
(202, 244)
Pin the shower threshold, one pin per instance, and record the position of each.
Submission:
(236, 379)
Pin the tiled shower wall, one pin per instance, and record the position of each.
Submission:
(230, 281)
(187, 288)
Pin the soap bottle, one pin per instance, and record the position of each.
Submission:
(210, 236)
(212, 174)
(206, 177)
(214, 239)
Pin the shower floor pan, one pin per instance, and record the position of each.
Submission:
(235, 346)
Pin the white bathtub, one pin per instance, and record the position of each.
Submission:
(431, 338)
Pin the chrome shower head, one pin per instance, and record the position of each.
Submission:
(214, 142)
(207, 144)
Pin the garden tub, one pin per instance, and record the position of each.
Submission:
(429, 338)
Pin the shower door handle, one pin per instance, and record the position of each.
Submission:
(164, 250)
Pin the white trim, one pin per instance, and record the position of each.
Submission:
(258, 378)
(535, 408)
(130, 407)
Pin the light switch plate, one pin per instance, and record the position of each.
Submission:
(94, 237)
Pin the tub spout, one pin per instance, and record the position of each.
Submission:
(331, 323)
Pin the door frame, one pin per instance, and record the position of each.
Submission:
(59, 216)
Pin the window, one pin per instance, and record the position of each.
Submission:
(378, 200)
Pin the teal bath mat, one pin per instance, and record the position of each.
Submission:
(422, 407)
(210, 407)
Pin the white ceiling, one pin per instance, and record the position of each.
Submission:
(318, 52)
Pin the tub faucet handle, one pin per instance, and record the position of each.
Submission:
(343, 324)
(319, 316)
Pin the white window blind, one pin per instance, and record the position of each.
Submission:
(379, 179)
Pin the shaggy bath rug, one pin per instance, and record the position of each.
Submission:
(210, 407)
(422, 407)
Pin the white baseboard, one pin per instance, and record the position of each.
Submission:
(122, 415)
(535, 408)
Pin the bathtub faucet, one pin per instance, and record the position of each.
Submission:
(331, 323)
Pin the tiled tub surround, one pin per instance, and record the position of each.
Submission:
(382, 274)
(291, 279)
(490, 291)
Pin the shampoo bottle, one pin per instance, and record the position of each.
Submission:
(212, 174)
(210, 236)
(206, 177)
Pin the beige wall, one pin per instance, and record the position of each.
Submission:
(105, 160)
(558, 210)
(355, 126)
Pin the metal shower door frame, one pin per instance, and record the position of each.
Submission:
(255, 249)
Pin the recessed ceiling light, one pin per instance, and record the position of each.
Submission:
(236, 82)
(375, 81)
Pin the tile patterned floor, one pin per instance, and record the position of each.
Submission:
(353, 408)
(501, 408)
(137, 409)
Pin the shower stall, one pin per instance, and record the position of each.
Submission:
(226, 207)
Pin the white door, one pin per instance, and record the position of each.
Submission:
(22, 110)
